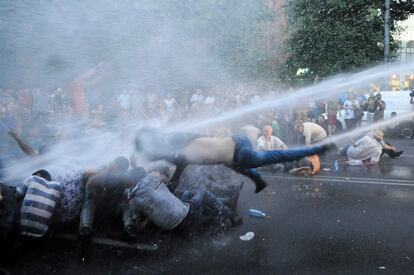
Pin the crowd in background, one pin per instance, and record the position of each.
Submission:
(34, 113)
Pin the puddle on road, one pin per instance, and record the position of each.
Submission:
(401, 172)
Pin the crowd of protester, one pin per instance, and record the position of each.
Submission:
(29, 118)
(31, 111)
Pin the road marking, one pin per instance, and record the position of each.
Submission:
(350, 180)
(110, 242)
(366, 179)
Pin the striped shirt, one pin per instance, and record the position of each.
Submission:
(38, 205)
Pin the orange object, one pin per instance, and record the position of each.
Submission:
(316, 164)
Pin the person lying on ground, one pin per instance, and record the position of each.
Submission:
(236, 152)
(39, 196)
(151, 197)
(308, 166)
(110, 180)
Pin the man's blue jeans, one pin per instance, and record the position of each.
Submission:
(246, 157)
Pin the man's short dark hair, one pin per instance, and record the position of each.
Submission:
(43, 174)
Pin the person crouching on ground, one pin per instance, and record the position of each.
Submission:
(151, 198)
(236, 152)
(311, 132)
(39, 196)
(109, 180)
(369, 149)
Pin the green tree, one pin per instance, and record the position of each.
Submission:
(332, 36)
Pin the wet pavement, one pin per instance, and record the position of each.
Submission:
(358, 221)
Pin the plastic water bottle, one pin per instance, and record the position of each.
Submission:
(336, 166)
(257, 213)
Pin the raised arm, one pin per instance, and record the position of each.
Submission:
(26, 148)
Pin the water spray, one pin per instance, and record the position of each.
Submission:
(361, 130)
(327, 89)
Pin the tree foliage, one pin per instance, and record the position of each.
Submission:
(332, 36)
(232, 31)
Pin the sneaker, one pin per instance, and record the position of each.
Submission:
(260, 185)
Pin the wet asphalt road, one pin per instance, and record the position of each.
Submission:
(359, 221)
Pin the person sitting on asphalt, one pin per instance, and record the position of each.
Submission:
(268, 142)
(150, 197)
(39, 195)
(311, 132)
(236, 152)
(369, 149)
(112, 180)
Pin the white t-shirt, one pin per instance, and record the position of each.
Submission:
(313, 133)
(349, 106)
(364, 149)
(273, 144)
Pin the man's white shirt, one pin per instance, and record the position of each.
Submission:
(273, 144)
(364, 149)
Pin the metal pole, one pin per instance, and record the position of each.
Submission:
(387, 31)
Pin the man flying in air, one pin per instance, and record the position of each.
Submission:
(235, 152)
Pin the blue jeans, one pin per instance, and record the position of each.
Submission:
(246, 157)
